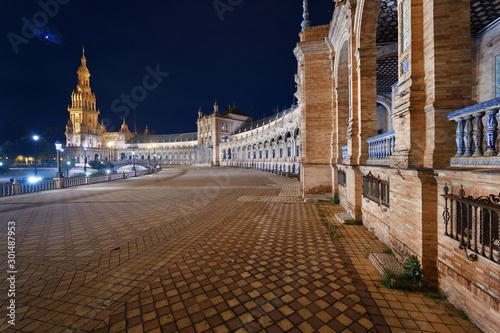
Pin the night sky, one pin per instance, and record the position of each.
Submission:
(241, 54)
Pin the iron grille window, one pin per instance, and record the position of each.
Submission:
(375, 189)
(474, 223)
(341, 177)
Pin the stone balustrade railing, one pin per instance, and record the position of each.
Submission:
(344, 152)
(381, 148)
(476, 134)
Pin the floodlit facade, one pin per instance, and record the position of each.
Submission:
(228, 138)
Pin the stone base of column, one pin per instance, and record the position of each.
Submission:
(316, 179)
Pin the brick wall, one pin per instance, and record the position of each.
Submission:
(485, 47)
(470, 285)
(408, 225)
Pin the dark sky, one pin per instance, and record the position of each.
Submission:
(242, 55)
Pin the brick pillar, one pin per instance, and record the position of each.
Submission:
(365, 117)
(316, 86)
(448, 69)
(409, 115)
(429, 222)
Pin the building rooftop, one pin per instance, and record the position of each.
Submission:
(162, 138)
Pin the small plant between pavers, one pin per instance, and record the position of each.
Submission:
(332, 230)
(335, 199)
(463, 314)
(410, 279)
(367, 251)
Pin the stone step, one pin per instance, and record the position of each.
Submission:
(386, 261)
(344, 217)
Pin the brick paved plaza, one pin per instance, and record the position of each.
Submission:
(199, 250)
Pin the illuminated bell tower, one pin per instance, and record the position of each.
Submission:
(83, 129)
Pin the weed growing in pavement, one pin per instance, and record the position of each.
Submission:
(463, 314)
(335, 199)
(332, 230)
(410, 279)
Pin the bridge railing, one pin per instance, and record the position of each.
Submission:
(59, 183)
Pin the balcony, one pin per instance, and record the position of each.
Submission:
(476, 134)
(345, 150)
(381, 148)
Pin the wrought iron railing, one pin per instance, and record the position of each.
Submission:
(375, 189)
(341, 177)
(474, 223)
(381, 147)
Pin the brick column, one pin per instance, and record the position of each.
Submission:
(365, 117)
(448, 80)
(316, 86)
(409, 115)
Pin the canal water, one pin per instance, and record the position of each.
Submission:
(24, 173)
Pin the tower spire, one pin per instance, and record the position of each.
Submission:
(216, 107)
(305, 22)
(83, 125)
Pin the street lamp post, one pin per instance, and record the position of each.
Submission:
(154, 154)
(110, 144)
(133, 160)
(35, 138)
(58, 150)
(85, 159)
(67, 170)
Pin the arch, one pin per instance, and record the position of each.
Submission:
(365, 23)
(343, 101)
(384, 114)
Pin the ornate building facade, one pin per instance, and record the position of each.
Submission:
(399, 104)
(397, 114)
(228, 138)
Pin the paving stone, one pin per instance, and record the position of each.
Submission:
(211, 249)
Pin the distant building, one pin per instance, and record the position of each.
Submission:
(229, 138)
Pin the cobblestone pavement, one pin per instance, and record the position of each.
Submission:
(199, 250)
